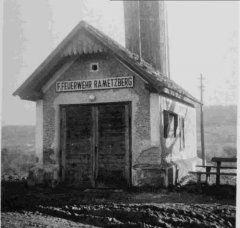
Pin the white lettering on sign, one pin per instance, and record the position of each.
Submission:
(106, 83)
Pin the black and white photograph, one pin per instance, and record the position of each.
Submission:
(120, 113)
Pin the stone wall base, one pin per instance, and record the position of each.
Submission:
(178, 169)
(165, 175)
(162, 175)
(43, 175)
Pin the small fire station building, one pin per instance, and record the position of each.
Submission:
(108, 118)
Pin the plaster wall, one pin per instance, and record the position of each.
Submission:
(171, 146)
(182, 159)
(108, 67)
(164, 163)
(155, 119)
(148, 165)
(39, 131)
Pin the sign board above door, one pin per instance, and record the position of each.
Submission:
(94, 84)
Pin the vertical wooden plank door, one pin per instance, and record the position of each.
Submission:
(112, 146)
(77, 155)
(95, 145)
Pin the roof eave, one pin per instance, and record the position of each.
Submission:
(53, 56)
(121, 55)
(161, 90)
(31, 95)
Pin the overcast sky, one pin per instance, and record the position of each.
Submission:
(203, 39)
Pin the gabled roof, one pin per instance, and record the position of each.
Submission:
(31, 88)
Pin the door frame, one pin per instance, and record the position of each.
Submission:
(62, 134)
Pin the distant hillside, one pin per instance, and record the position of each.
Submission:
(220, 131)
(18, 136)
(219, 115)
(18, 150)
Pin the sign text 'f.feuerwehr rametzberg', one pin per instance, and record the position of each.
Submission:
(93, 84)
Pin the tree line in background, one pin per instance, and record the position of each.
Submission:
(18, 154)
(16, 163)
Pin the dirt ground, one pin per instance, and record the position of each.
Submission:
(189, 206)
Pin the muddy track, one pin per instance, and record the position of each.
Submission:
(135, 215)
(113, 209)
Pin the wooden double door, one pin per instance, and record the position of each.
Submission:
(95, 142)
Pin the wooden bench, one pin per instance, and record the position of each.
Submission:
(214, 167)
(218, 161)
(218, 167)
(199, 173)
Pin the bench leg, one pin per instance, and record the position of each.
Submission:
(208, 169)
(207, 178)
(199, 179)
(218, 179)
(218, 173)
